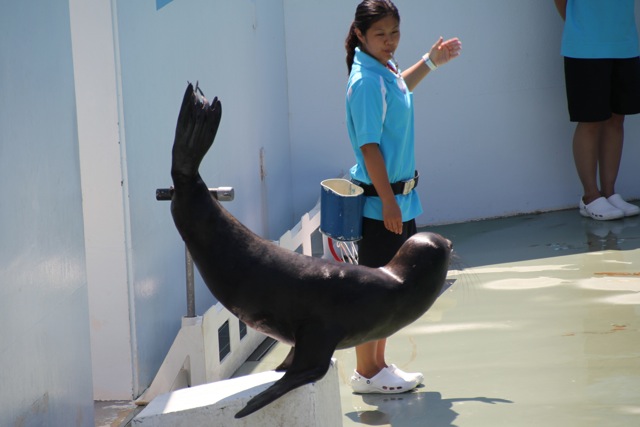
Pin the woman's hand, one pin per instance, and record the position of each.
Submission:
(373, 160)
(444, 51)
(441, 53)
(392, 216)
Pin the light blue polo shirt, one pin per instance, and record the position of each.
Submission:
(380, 110)
(600, 29)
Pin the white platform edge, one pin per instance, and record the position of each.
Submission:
(215, 404)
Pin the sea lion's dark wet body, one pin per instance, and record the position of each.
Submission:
(312, 304)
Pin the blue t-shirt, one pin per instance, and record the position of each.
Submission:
(600, 29)
(380, 110)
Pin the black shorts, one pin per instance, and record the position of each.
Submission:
(596, 88)
(378, 245)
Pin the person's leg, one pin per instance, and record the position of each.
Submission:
(371, 253)
(625, 100)
(377, 248)
(588, 84)
(610, 153)
(586, 141)
(382, 345)
(591, 156)
(370, 358)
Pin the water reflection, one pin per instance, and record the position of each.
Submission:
(424, 409)
(610, 235)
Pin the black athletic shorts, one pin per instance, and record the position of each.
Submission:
(378, 245)
(596, 88)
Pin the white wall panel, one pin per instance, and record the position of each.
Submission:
(103, 195)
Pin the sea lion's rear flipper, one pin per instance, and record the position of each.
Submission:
(311, 359)
(196, 129)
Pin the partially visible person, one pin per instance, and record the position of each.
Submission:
(380, 122)
(602, 74)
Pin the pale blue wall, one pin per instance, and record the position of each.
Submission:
(45, 372)
(236, 51)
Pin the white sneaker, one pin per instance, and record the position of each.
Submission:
(618, 202)
(600, 209)
(407, 376)
(383, 382)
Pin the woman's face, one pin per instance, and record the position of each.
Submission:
(381, 39)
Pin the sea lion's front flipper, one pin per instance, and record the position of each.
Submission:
(286, 363)
(311, 359)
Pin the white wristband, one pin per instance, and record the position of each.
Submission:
(432, 65)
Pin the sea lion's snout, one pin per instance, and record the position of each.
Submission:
(440, 241)
(446, 243)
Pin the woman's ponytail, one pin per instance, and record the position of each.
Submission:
(350, 45)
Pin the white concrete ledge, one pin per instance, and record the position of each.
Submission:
(215, 404)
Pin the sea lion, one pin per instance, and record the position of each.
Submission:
(314, 305)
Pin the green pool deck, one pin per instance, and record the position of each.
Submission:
(541, 328)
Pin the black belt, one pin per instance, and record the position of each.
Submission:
(401, 187)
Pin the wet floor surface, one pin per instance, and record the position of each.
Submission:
(114, 413)
(541, 328)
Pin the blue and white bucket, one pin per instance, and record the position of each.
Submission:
(341, 204)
